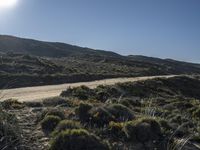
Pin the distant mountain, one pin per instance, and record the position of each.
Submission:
(30, 62)
(173, 65)
(48, 49)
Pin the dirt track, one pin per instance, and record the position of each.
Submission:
(42, 92)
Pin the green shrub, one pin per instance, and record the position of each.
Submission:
(102, 96)
(33, 104)
(49, 123)
(135, 89)
(142, 130)
(67, 93)
(67, 124)
(55, 101)
(105, 92)
(131, 102)
(51, 112)
(165, 124)
(81, 92)
(196, 114)
(77, 139)
(12, 104)
(82, 111)
(100, 116)
(115, 129)
(166, 127)
(120, 112)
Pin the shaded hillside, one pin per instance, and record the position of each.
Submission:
(48, 49)
(25, 62)
(170, 64)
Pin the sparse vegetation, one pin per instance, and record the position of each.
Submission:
(51, 112)
(196, 114)
(77, 139)
(115, 130)
(82, 112)
(102, 115)
(142, 130)
(67, 124)
(55, 101)
(153, 114)
(11, 104)
(9, 131)
(82, 92)
(49, 123)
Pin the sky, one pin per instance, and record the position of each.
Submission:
(157, 28)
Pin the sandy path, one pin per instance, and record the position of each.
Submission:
(42, 92)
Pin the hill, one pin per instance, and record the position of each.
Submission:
(27, 62)
(48, 49)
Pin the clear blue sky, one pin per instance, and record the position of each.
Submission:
(159, 28)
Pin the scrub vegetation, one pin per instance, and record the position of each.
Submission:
(25, 62)
(158, 114)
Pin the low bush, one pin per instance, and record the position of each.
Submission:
(131, 102)
(115, 130)
(138, 89)
(81, 92)
(50, 112)
(67, 124)
(165, 124)
(105, 92)
(120, 112)
(100, 116)
(55, 101)
(12, 104)
(142, 130)
(196, 114)
(82, 111)
(102, 96)
(77, 139)
(49, 123)
(33, 104)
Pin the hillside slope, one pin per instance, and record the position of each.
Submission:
(48, 49)
(26, 62)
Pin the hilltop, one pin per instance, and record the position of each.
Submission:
(46, 49)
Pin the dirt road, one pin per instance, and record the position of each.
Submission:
(41, 92)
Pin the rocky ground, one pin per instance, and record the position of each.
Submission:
(31, 134)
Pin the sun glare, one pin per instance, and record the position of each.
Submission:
(7, 3)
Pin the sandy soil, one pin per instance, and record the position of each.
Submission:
(41, 92)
